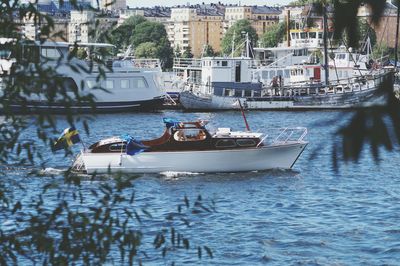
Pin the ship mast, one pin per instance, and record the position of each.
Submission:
(397, 35)
(326, 66)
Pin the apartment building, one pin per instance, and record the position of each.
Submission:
(112, 5)
(261, 17)
(194, 27)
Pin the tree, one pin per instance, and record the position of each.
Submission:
(177, 51)
(366, 31)
(274, 35)
(146, 50)
(380, 51)
(208, 51)
(120, 36)
(155, 32)
(238, 32)
(187, 53)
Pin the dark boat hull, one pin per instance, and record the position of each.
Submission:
(99, 107)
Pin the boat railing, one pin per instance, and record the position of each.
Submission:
(187, 63)
(285, 135)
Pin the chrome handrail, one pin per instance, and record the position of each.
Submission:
(286, 135)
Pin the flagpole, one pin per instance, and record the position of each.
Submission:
(244, 116)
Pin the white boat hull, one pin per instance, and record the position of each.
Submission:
(267, 157)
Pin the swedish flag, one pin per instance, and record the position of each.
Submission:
(69, 137)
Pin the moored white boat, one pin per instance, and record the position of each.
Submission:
(197, 151)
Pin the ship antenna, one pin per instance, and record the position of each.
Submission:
(326, 66)
(397, 36)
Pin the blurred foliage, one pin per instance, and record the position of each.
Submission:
(377, 126)
(238, 31)
(78, 227)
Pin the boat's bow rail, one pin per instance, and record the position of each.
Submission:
(286, 135)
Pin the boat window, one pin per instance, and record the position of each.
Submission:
(264, 74)
(224, 63)
(312, 35)
(280, 73)
(190, 134)
(247, 93)
(238, 93)
(272, 74)
(117, 147)
(319, 35)
(303, 35)
(225, 143)
(91, 83)
(124, 83)
(50, 53)
(139, 83)
(5, 54)
(109, 84)
(287, 73)
(245, 142)
(229, 92)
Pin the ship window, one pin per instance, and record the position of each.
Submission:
(124, 83)
(117, 147)
(264, 74)
(247, 93)
(91, 83)
(287, 73)
(256, 93)
(139, 83)
(229, 92)
(50, 53)
(246, 142)
(225, 143)
(190, 135)
(224, 63)
(109, 84)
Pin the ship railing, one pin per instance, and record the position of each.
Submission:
(285, 135)
(187, 63)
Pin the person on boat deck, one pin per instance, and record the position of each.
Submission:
(181, 132)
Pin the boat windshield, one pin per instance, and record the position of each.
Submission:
(190, 134)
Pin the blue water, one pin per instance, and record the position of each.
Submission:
(310, 215)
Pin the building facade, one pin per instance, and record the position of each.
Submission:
(194, 27)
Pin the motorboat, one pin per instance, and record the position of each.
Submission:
(127, 84)
(190, 147)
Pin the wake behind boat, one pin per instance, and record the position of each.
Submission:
(190, 147)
